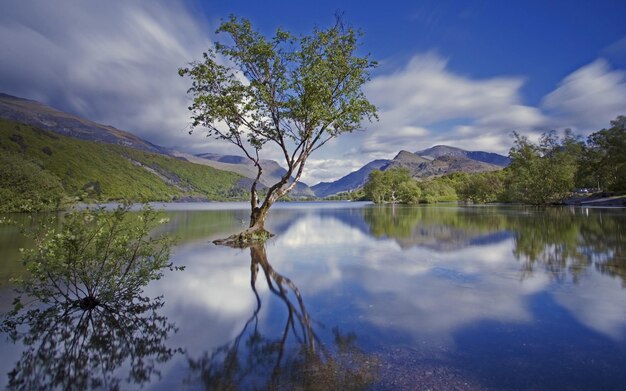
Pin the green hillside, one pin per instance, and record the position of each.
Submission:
(40, 170)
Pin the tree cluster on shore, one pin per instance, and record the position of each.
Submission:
(543, 173)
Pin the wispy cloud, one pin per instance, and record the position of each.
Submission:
(113, 62)
(416, 100)
(589, 98)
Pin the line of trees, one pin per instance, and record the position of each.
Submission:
(397, 185)
(540, 173)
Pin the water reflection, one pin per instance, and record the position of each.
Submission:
(291, 357)
(562, 241)
(71, 348)
(443, 229)
(439, 297)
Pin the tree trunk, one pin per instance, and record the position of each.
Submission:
(254, 234)
(257, 218)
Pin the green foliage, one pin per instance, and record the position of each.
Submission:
(603, 160)
(396, 185)
(543, 173)
(35, 180)
(95, 257)
(409, 192)
(298, 87)
(482, 188)
(26, 187)
(384, 186)
(80, 314)
(436, 190)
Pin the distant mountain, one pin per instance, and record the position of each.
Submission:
(411, 161)
(444, 165)
(481, 156)
(436, 161)
(272, 171)
(45, 117)
(352, 181)
(439, 163)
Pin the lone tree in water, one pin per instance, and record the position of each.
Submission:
(291, 92)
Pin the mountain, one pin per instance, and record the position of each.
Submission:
(408, 160)
(272, 171)
(47, 118)
(444, 161)
(444, 165)
(41, 170)
(352, 181)
(481, 156)
(436, 161)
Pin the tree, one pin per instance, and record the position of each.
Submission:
(481, 187)
(383, 186)
(603, 161)
(93, 258)
(295, 93)
(542, 173)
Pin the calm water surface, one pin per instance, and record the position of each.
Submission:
(351, 295)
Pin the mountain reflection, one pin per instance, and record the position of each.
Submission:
(291, 357)
(71, 348)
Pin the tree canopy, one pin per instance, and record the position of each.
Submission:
(292, 92)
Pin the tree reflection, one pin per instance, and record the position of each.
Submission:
(442, 228)
(292, 359)
(73, 348)
(565, 242)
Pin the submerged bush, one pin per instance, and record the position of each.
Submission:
(95, 256)
(85, 315)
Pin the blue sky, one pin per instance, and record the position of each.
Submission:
(451, 72)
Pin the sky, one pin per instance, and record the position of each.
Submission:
(453, 72)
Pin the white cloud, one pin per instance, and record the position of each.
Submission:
(319, 170)
(589, 98)
(420, 98)
(114, 63)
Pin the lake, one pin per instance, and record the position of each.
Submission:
(360, 296)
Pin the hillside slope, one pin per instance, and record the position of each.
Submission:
(72, 169)
(45, 117)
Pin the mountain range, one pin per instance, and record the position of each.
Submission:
(436, 161)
